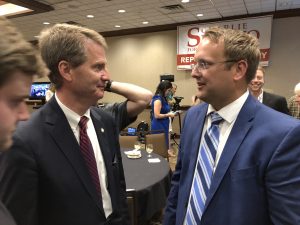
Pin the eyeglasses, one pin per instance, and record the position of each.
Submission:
(204, 65)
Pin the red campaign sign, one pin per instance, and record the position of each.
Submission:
(185, 59)
(264, 54)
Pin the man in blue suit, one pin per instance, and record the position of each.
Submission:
(256, 168)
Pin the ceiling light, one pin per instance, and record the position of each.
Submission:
(185, 1)
(46, 23)
(90, 16)
(200, 14)
(8, 9)
(121, 10)
(145, 22)
(117, 26)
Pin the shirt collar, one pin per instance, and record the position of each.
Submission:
(72, 117)
(230, 112)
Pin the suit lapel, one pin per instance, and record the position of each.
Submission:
(64, 137)
(239, 131)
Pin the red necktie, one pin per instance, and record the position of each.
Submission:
(88, 154)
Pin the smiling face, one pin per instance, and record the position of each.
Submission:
(215, 83)
(256, 85)
(12, 106)
(88, 80)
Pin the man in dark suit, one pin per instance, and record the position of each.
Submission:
(19, 61)
(65, 166)
(276, 102)
(239, 160)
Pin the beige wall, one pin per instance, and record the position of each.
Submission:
(141, 58)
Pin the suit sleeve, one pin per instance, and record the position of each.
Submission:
(283, 181)
(19, 182)
(171, 205)
(284, 107)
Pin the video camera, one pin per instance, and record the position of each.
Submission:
(176, 105)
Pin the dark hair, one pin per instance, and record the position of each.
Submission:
(162, 87)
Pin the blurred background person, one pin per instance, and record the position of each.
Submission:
(275, 102)
(294, 102)
(19, 61)
(161, 115)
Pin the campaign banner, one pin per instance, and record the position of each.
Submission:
(189, 36)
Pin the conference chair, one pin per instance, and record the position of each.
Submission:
(158, 140)
(127, 141)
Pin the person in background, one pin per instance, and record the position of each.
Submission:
(65, 166)
(294, 103)
(171, 94)
(276, 102)
(161, 110)
(50, 92)
(19, 62)
(137, 99)
(238, 161)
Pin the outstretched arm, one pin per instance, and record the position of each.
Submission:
(138, 98)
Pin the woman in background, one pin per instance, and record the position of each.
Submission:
(161, 110)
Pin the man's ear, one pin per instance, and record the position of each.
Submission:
(240, 70)
(64, 69)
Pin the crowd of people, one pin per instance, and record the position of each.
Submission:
(238, 161)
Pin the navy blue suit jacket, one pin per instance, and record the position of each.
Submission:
(44, 179)
(257, 179)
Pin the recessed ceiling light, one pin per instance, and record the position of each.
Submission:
(145, 22)
(121, 10)
(90, 16)
(117, 26)
(7, 9)
(46, 23)
(185, 1)
(200, 14)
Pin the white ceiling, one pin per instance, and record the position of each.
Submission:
(107, 16)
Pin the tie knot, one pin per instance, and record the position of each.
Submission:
(215, 118)
(83, 121)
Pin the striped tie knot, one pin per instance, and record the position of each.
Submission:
(83, 121)
(216, 119)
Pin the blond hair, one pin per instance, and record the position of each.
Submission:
(16, 54)
(238, 45)
(65, 42)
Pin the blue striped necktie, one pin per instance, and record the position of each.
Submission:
(203, 174)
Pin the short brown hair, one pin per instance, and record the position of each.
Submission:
(238, 45)
(16, 54)
(65, 42)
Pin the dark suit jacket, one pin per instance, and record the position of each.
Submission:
(44, 179)
(5, 217)
(276, 102)
(257, 178)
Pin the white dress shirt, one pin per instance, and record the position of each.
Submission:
(73, 119)
(229, 114)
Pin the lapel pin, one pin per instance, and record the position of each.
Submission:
(102, 130)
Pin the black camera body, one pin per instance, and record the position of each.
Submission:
(176, 105)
